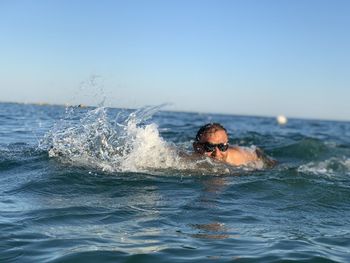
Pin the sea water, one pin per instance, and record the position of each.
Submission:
(117, 185)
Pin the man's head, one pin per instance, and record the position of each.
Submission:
(212, 140)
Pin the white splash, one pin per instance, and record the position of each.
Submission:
(327, 167)
(125, 146)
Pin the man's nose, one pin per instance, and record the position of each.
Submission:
(215, 152)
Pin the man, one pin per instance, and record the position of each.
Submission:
(212, 141)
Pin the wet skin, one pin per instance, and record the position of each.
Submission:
(234, 155)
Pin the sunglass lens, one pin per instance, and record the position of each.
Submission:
(223, 147)
(209, 147)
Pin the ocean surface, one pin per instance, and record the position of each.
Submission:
(114, 185)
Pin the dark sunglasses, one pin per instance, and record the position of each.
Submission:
(209, 147)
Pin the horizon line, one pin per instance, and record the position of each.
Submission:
(180, 111)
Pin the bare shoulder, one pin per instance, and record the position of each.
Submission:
(240, 155)
(243, 155)
(244, 151)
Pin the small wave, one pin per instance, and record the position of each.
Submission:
(16, 154)
(328, 167)
(305, 149)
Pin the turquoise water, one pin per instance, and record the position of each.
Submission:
(108, 185)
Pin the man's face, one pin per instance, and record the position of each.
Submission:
(213, 137)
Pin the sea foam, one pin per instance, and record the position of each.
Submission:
(122, 145)
(327, 167)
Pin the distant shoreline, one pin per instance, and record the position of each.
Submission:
(180, 111)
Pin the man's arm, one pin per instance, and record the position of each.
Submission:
(268, 162)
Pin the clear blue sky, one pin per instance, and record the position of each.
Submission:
(259, 57)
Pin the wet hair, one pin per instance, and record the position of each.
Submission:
(209, 127)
